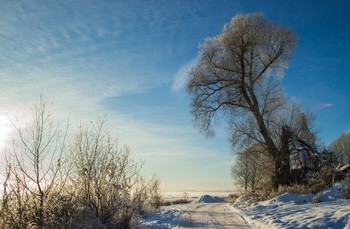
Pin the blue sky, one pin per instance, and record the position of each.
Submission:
(128, 60)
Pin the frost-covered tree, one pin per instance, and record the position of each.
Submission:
(341, 147)
(237, 75)
(252, 168)
(94, 183)
(36, 171)
(104, 176)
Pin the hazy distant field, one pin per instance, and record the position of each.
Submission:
(169, 196)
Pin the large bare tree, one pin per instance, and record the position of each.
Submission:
(237, 76)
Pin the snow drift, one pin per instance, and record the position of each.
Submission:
(209, 199)
(298, 211)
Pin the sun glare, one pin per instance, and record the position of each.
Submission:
(5, 129)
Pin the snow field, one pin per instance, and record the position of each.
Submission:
(298, 211)
(284, 211)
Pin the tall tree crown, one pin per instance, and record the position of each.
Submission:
(234, 71)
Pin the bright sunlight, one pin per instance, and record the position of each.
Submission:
(5, 129)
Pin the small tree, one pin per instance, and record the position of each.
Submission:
(341, 147)
(155, 197)
(104, 177)
(36, 169)
(251, 168)
(240, 171)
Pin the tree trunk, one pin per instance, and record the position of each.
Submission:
(282, 165)
(270, 146)
(41, 220)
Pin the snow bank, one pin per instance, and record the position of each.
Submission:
(284, 211)
(209, 199)
(167, 218)
(298, 211)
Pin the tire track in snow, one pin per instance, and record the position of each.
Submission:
(213, 215)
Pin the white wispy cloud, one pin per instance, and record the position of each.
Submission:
(67, 46)
(79, 54)
(181, 77)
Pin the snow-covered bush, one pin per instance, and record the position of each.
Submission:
(92, 184)
(154, 195)
(104, 176)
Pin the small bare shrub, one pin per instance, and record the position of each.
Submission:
(281, 190)
(347, 192)
(294, 189)
(140, 196)
(299, 189)
(155, 197)
(347, 187)
(316, 199)
(177, 201)
(318, 181)
(248, 199)
(233, 196)
(185, 196)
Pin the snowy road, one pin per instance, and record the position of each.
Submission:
(212, 215)
(196, 215)
(284, 211)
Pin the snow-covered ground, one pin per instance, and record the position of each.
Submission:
(204, 212)
(299, 211)
(284, 211)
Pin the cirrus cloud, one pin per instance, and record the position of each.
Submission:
(181, 77)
